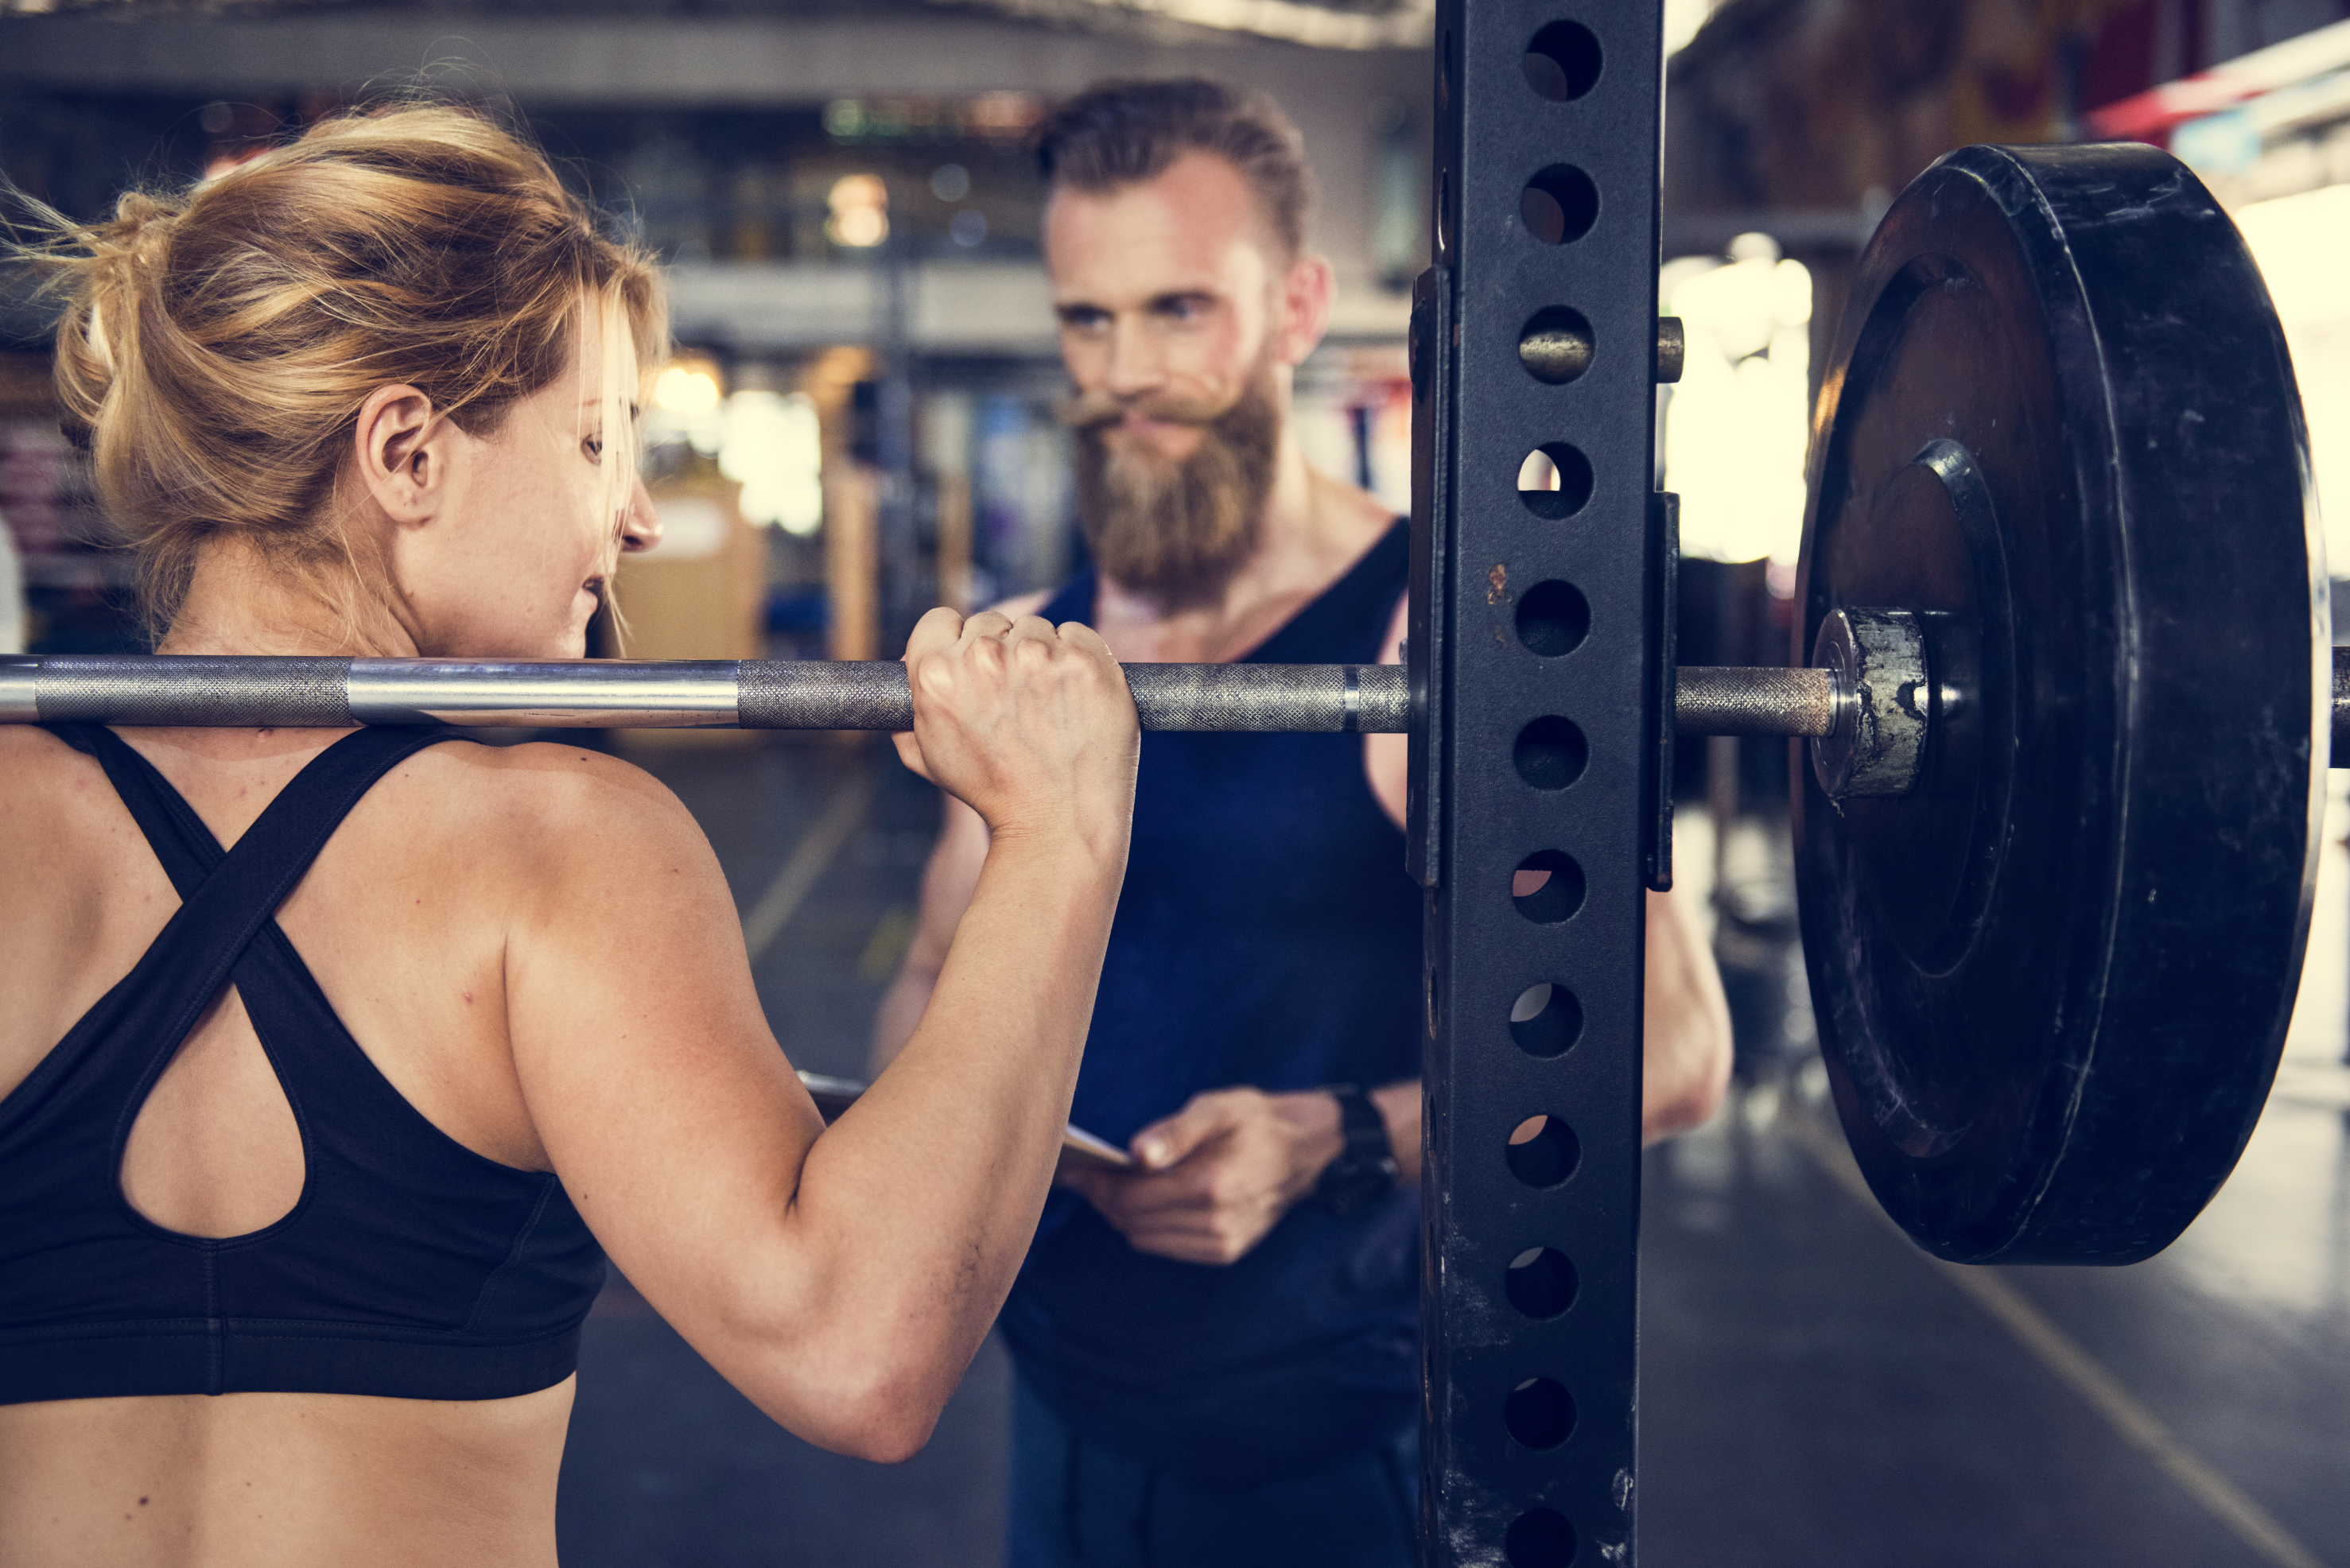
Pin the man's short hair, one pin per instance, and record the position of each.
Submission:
(1118, 133)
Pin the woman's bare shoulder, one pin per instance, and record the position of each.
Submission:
(549, 790)
(566, 830)
(38, 772)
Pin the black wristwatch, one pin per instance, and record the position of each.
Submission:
(1365, 1170)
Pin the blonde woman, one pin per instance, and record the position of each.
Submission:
(332, 1064)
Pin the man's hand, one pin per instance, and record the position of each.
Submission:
(1217, 1175)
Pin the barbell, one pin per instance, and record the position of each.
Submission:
(2066, 702)
(1868, 701)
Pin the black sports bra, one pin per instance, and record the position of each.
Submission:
(410, 1266)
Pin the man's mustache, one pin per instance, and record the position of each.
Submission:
(1092, 411)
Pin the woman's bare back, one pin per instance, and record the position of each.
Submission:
(402, 920)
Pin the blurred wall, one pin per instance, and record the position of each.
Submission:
(1815, 105)
(1802, 119)
(1346, 102)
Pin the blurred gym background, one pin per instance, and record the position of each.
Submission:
(857, 425)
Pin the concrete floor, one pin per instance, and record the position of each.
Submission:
(1815, 1390)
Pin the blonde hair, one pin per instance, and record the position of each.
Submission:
(217, 342)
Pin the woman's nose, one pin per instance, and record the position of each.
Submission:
(641, 525)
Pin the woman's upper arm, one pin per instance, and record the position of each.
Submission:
(643, 1054)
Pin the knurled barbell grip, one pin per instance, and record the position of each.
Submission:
(1763, 700)
(811, 694)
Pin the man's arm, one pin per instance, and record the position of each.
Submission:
(1221, 1172)
(1684, 1024)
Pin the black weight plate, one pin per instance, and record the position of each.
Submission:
(2053, 979)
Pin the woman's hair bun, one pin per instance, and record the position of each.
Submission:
(216, 342)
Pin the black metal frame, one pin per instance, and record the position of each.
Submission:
(1495, 590)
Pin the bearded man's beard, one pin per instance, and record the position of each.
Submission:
(1177, 533)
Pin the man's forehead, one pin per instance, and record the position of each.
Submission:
(1194, 226)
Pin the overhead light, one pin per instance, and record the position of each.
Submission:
(688, 388)
(774, 446)
(859, 204)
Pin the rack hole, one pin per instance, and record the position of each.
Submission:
(1547, 886)
(1555, 480)
(1546, 1020)
(1553, 618)
(1559, 205)
(1543, 1151)
(1540, 1413)
(1555, 345)
(1551, 753)
(1539, 1538)
(1562, 62)
(1542, 1282)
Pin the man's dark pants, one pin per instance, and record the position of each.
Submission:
(1076, 1504)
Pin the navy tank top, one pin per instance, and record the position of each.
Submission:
(410, 1266)
(1267, 935)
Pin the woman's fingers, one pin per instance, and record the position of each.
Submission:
(1019, 718)
(938, 631)
(1076, 634)
(987, 626)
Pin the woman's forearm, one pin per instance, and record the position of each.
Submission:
(914, 1210)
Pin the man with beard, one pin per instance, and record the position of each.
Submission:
(1218, 1351)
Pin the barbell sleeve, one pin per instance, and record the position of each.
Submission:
(1763, 700)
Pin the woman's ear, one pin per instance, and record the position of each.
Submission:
(401, 452)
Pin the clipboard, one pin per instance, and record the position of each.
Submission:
(1078, 1146)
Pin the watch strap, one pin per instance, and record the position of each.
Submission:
(1359, 1121)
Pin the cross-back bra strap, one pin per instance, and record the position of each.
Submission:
(184, 846)
(202, 943)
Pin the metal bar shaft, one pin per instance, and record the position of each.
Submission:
(806, 694)
(784, 694)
